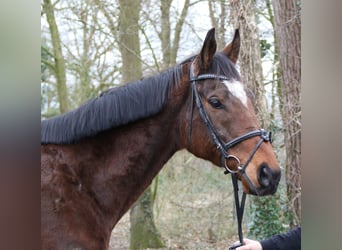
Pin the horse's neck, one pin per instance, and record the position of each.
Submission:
(131, 157)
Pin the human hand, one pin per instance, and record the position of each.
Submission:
(250, 245)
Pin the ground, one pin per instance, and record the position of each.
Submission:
(194, 208)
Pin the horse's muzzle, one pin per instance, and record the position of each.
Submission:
(268, 180)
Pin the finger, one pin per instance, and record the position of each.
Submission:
(238, 243)
(244, 247)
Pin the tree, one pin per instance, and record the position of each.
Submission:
(287, 30)
(47, 88)
(90, 45)
(276, 86)
(265, 210)
(59, 63)
(170, 48)
(82, 56)
(220, 21)
(129, 43)
(144, 233)
(143, 230)
(243, 17)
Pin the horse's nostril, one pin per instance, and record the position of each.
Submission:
(265, 175)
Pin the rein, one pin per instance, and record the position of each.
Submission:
(224, 147)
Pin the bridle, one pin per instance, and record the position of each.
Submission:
(223, 147)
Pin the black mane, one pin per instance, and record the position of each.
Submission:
(113, 108)
(121, 105)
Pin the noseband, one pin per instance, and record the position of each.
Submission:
(223, 147)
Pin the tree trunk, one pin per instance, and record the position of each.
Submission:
(165, 32)
(59, 69)
(143, 232)
(170, 48)
(85, 60)
(219, 20)
(129, 43)
(243, 17)
(265, 210)
(287, 24)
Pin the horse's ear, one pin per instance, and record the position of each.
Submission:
(232, 49)
(208, 50)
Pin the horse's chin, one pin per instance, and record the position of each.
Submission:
(258, 191)
(250, 190)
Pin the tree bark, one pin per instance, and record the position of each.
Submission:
(243, 17)
(129, 43)
(59, 69)
(165, 32)
(287, 28)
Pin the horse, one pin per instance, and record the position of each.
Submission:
(97, 159)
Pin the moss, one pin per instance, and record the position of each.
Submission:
(144, 233)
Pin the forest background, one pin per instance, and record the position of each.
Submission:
(91, 45)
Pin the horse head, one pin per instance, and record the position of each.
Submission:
(222, 125)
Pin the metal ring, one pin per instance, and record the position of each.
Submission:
(227, 168)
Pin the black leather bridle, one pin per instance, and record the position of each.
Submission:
(223, 147)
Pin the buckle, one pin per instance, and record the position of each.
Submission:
(228, 170)
(266, 136)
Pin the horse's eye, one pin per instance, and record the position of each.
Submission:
(215, 103)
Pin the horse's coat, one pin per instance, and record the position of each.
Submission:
(98, 159)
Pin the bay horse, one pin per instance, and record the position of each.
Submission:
(98, 159)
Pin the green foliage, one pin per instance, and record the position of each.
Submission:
(267, 217)
(265, 46)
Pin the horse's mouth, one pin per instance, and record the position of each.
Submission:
(264, 187)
